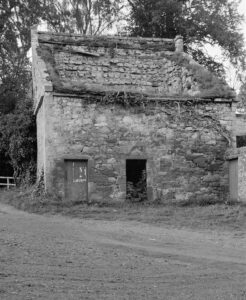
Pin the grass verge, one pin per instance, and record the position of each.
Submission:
(231, 216)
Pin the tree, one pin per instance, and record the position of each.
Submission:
(87, 16)
(200, 22)
(17, 124)
(18, 141)
(16, 18)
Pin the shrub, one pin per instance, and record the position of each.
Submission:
(18, 141)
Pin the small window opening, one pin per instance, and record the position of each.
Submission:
(241, 141)
(136, 180)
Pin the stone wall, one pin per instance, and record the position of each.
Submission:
(39, 74)
(40, 120)
(184, 145)
(133, 70)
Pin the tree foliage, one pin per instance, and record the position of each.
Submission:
(87, 16)
(200, 22)
(17, 125)
(16, 18)
(18, 141)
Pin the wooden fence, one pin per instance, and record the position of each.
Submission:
(8, 181)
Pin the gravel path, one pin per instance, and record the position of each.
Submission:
(53, 257)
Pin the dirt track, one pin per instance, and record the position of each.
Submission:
(60, 258)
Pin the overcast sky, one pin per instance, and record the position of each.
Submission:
(232, 78)
(243, 10)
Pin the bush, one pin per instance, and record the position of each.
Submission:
(18, 142)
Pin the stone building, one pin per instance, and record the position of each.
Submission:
(132, 118)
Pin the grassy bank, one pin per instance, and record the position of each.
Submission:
(230, 216)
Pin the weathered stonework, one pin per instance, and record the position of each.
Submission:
(182, 135)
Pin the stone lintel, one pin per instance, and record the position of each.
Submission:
(235, 153)
(48, 88)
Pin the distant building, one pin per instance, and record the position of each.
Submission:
(133, 118)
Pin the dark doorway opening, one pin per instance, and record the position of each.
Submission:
(241, 141)
(136, 180)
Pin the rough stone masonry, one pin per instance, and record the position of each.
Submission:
(109, 100)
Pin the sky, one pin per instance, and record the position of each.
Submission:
(242, 9)
(215, 52)
(231, 74)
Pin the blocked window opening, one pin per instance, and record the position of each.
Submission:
(241, 141)
(136, 180)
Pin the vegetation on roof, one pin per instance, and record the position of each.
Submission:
(210, 86)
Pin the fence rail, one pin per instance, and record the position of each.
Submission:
(9, 181)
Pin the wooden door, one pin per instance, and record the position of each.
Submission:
(233, 179)
(76, 180)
